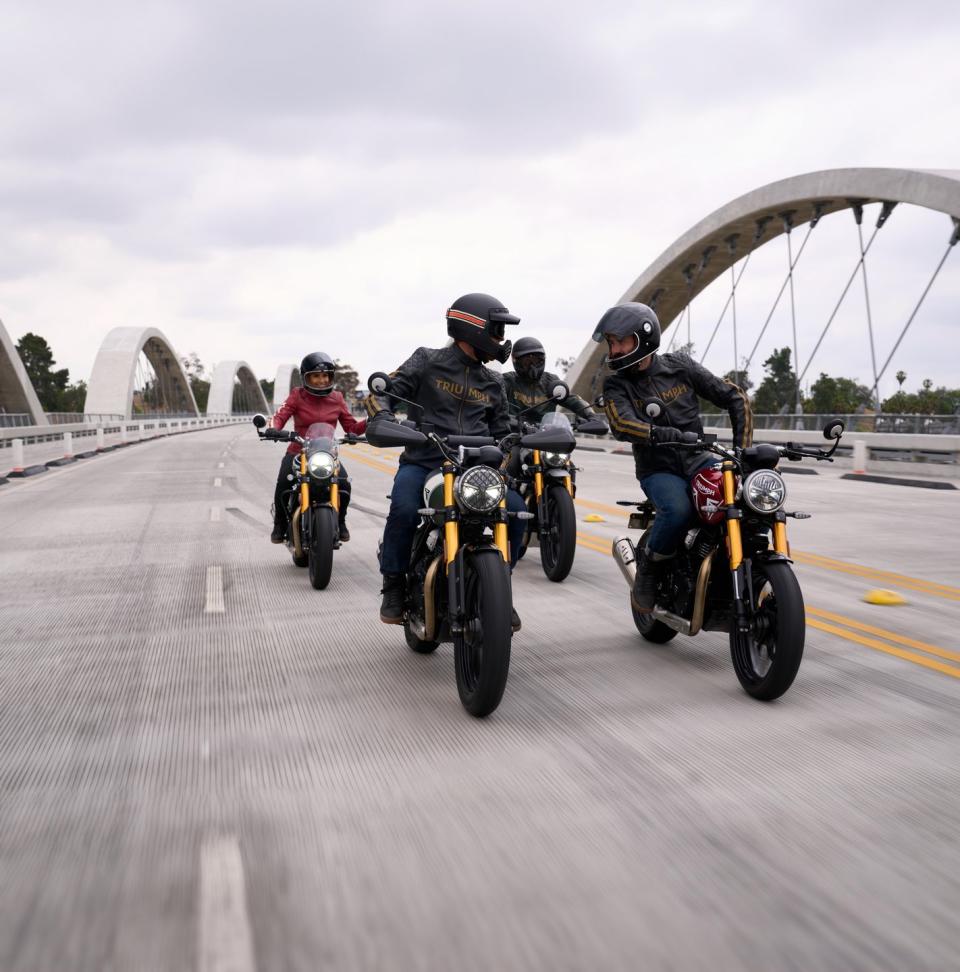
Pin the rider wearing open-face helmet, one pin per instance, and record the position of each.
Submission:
(456, 395)
(639, 374)
(316, 400)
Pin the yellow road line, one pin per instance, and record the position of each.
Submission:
(888, 635)
(373, 463)
(910, 656)
(592, 543)
(913, 583)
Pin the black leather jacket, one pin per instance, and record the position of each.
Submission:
(457, 395)
(677, 381)
(522, 393)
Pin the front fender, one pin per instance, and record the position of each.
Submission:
(771, 557)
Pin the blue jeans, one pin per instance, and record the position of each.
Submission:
(670, 494)
(406, 498)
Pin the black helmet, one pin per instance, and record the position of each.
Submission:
(318, 361)
(624, 320)
(479, 319)
(529, 358)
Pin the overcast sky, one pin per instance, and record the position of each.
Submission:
(264, 180)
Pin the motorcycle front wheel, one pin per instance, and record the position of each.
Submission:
(558, 536)
(323, 533)
(481, 652)
(767, 657)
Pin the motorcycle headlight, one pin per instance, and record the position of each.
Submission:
(555, 459)
(479, 489)
(764, 491)
(321, 465)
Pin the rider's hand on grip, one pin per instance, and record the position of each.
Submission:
(663, 435)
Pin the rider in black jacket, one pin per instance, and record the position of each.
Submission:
(456, 395)
(529, 383)
(632, 333)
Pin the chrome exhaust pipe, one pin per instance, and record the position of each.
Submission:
(625, 554)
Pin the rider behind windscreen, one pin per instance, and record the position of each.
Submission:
(456, 395)
(632, 333)
(315, 401)
(529, 383)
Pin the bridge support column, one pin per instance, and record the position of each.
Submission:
(101, 441)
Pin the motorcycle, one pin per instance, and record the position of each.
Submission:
(545, 481)
(756, 599)
(313, 501)
(458, 581)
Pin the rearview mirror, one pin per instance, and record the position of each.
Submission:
(833, 429)
(560, 391)
(653, 408)
(260, 421)
(379, 382)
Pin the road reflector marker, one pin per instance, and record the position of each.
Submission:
(594, 518)
(884, 597)
(214, 600)
(218, 481)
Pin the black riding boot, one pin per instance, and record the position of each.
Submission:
(279, 527)
(394, 589)
(644, 593)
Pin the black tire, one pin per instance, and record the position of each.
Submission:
(652, 629)
(415, 644)
(767, 659)
(323, 535)
(558, 541)
(482, 652)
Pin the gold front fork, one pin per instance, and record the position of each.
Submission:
(734, 543)
(537, 476)
(335, 490)
(451, 532)
(304, 484)
(780, 543)
(500, 535)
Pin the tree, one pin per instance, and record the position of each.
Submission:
(838, 396)
(37, 358)
(563, 365)
(196, 374)
(901, 378)
(267, 387)
(778, 390)
(346, 381)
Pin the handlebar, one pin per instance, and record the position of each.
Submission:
(285, 435)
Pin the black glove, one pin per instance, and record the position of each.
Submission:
(350, 438)
(384, 415)
(663, 434)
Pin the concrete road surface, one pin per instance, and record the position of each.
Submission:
(205, 764)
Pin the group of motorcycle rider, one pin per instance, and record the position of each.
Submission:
(456, 394)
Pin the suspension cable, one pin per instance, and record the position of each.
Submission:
(881, 220)
(773, 309)
(954, 238)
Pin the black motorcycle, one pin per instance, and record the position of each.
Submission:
(458, 582)
(756, 599)
(545, 481)
(313, 500)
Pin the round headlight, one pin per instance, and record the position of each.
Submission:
(764, 491)
(555, 459)
(479, 489)
(321, 465)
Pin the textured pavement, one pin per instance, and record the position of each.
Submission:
(206, 764)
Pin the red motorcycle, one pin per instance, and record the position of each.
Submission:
(733, 572)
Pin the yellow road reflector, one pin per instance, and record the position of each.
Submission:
(594, 518)
(884, 597)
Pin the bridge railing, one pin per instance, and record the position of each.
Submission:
(856, 422)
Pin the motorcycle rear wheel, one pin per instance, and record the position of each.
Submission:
(415, 644)
(652, 629)
(482, 651)
(323, 534)
(558, 542)
(767, 658)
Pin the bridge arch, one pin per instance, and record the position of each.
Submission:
(17, 394)
(288, 378)
(230, 380)
(724, 237)
(112, 382)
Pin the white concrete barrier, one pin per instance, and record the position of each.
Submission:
(67, 445)
(101, 440)
(16, 451)
(859, 456)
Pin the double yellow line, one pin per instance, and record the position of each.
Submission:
(867, 635)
